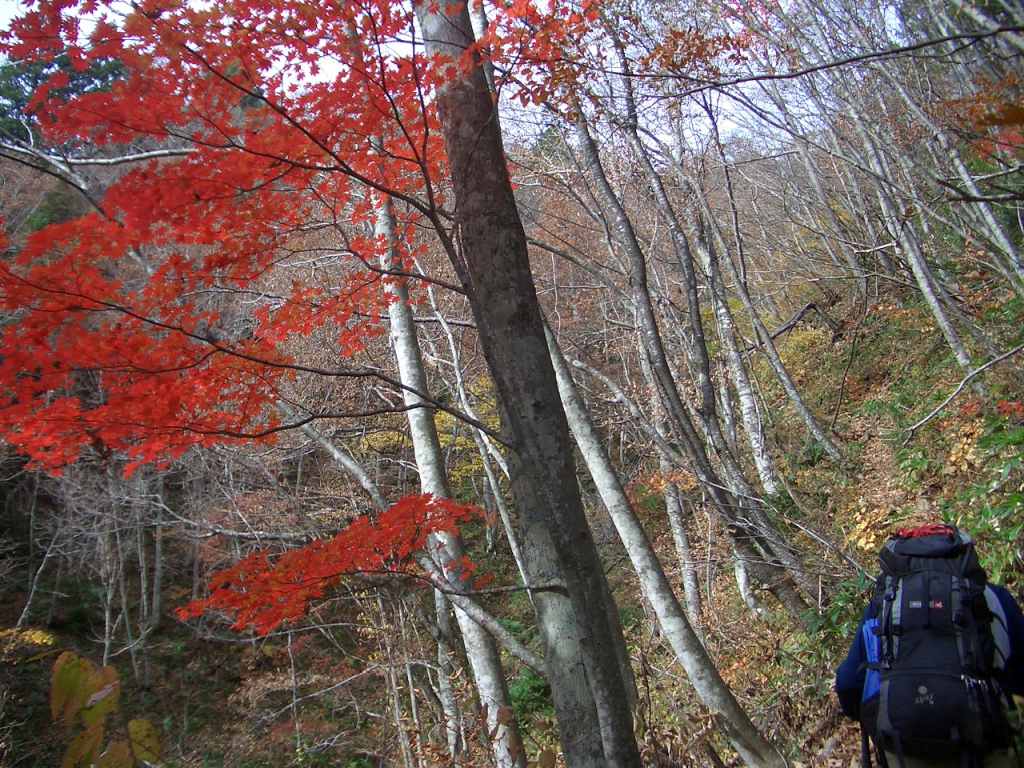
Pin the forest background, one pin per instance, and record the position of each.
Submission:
(288, 374)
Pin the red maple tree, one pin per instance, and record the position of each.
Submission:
(232, 148)
(236, 131)
(261, 592)
(248, 145)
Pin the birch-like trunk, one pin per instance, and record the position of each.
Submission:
(988, 224)
(700, 670)
(733, 498)
(911, 249)
(481, 650)
(684, 554)
(156, 604)
(489, 456)
(749, 412)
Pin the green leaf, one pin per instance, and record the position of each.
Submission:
(145, 741)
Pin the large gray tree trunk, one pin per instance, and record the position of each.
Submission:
(490, 254)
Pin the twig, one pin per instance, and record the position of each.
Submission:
(960, 388)
(849, 364)
(796, 318)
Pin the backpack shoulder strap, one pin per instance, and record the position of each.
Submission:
(1000, 633)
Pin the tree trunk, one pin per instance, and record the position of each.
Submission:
(700, 670)
(481, 649)
(684, 553)
(493, 264)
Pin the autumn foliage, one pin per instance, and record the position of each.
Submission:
(260, 592)
(238, 139)
(256, 132)
(82, 694)
(118, 346)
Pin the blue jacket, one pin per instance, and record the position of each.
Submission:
(851, 673)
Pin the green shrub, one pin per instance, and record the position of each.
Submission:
(531, 695)
(992, 508)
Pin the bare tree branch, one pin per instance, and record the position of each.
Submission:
(960, 388)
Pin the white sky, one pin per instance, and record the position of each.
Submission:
(8, 10)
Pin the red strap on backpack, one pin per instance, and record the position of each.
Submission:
(935, 529)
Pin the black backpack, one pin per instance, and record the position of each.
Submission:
(932, 685)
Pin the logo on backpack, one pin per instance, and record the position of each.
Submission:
(932, 684)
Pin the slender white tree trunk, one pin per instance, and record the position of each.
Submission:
(684, 554)
(489, 456)
(481, 650)
(700, 670)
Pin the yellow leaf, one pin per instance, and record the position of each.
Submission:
(102, 690)
(82, 747)
(117, 755)
(145, 741)
(68, 686)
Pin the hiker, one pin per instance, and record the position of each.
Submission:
(938, 656)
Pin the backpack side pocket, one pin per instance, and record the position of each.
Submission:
(869, 636)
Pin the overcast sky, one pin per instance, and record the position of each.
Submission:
(8, 9)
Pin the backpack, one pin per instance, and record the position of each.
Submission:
(932, 681)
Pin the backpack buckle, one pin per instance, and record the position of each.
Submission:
(974, 682)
